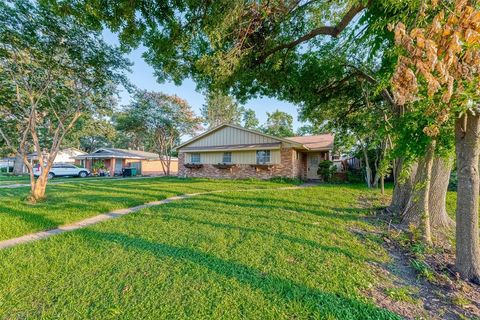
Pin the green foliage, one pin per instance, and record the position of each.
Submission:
(250, 120)
(423, 269)
(157, 121)
(221, 109)
(326, 169)
(355, 176)
(99, 165)
(53, 70)
(404, 294)
(279, 124)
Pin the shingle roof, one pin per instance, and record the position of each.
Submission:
(318, 142)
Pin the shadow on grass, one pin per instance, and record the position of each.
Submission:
(354, 214)
(279, 236)
(37, 221)
(320, 303)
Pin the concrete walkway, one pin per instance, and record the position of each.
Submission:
(73, 180)
(116, 214)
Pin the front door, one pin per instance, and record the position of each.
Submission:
(313, 160)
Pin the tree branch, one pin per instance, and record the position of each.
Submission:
(332, 31)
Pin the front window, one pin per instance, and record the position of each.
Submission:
(195, 157)
(227, 157)
(263, 156)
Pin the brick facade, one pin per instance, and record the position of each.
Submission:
(290, 166)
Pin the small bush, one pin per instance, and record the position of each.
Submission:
(423, 270)
(98, 165)
(326, 169)
(355, 176)
(405, 294)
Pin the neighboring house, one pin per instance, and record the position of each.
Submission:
(6, 164)
(230, 151)
(63, 156)
(114, 160)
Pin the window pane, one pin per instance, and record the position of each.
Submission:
(263, 156)
(195, 157)
(227, 157)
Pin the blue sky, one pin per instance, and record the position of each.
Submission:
(143, 78)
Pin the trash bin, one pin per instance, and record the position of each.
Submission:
(129, 172)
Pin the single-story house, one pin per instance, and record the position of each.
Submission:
(114, 160)
(230, 151)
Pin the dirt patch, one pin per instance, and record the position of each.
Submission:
(413, 287)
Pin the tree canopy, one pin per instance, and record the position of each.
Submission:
(52, 70)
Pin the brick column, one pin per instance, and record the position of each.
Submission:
(112, 167)
(181, 172)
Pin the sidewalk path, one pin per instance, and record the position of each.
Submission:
(115, 214)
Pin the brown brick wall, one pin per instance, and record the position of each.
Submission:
(289, 167)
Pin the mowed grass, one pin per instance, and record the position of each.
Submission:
(70, 202)
(7, 179)
(270, 254)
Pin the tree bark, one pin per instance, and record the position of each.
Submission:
(18, 165)
(368, 170)
(425, 196)
(403, 188)
(439, 218)
(382, 184)
(467, 135)
(417, 211)
(39, 188)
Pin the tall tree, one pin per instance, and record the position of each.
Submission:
(250, 120)
(91, 132)
(439, 69)
(278, 124)
(164, 119)
(220, 109)
(56, 70)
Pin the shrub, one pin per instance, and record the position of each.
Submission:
(326, 169)
(355, 176)
(98, 166)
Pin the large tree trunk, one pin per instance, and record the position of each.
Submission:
(403, 196)
(18, 165)
(425, 195)
(413, 211)
(403, 188)
(417, 211)
(439, 218)
(38, 188)
(467, 134)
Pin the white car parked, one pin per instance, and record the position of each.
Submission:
(63, 170)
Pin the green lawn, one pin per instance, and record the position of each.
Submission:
(73, 201)
(271, 254)
(11, 179)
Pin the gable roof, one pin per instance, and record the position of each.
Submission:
(317, 142)
(206, 133)
(120, 153)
